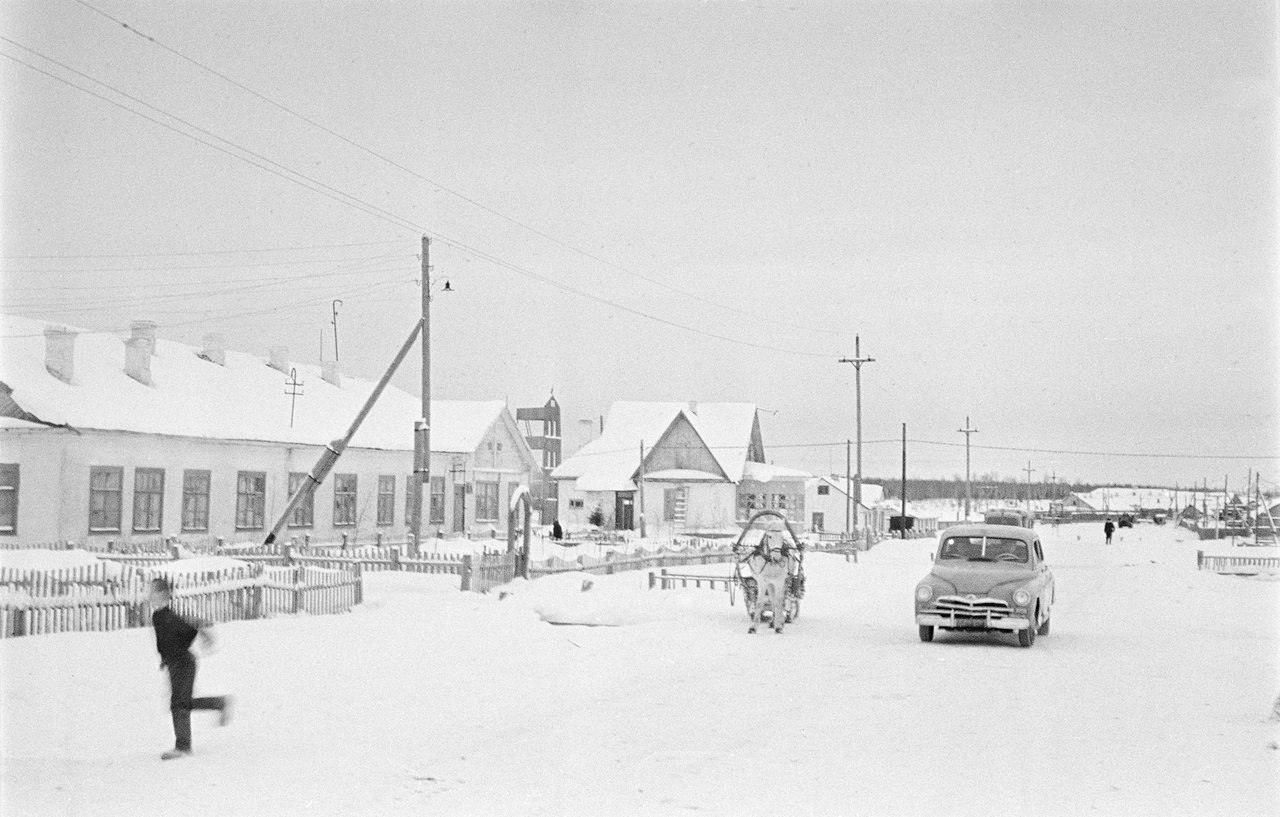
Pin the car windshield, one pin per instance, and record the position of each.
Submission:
(983, 549)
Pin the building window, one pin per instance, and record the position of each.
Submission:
(195, 501)
(672, 499)
(824, 489)
(818, 521)
(251, 499)
(344, 500)
(437, 501)
(148, 499)
(105, 498)
(386, 500)
(576, 503)
(304, 515)
(748, 504)
(486, 501)
(8, 498)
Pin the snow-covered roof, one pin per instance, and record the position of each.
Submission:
(1126, 499)
(244, 399)
(872, 493)
(763, 472)
(608, 462)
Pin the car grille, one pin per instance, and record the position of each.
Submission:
(963, 606)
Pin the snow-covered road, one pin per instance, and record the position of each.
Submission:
(1151, 696)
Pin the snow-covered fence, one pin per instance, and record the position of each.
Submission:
(667, 581)
(103, 597)
(1236, 564)
(611, 564)
(483, 573)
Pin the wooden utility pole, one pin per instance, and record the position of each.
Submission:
(968, 493)
(1029, 471)
(857, 362)
(903, 527)
(422, 428)
(642, 531)
(848, 489)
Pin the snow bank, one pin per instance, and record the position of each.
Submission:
(36, 560)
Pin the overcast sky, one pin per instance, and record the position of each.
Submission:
(1056, 219)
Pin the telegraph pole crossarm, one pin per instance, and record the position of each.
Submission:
(968, 493)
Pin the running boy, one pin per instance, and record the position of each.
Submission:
(174, 635)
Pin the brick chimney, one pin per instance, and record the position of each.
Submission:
(146, 330)
(279, 358)
(214, 349)
(137, 359)
(330, 373)
(59, 352)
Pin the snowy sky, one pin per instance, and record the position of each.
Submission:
(1057, 220)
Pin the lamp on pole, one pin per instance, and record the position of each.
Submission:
(857, 362)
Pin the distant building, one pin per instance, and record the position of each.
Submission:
(702, 470)
(103, 439)
(829, 508)
(547, 442)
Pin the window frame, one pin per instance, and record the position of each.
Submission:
(487, 493)
(245, 501)
(154, 506)
(116, 471)
(436, 513)
(304, 515)
(191, 501)
(345, 500)
(9, 490)
(386, 500)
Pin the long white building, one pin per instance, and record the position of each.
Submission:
(104, 438)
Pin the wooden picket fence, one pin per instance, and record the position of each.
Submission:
(1245, 565)
(100, 598)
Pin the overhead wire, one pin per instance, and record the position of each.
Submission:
(370, 209)
(475, 203)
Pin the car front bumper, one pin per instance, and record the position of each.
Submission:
(950, 621)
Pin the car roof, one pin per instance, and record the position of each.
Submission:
(1002, 531)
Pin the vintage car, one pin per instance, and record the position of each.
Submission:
(1010, 516)
(987, 578)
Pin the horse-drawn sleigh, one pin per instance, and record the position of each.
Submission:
(771, 573)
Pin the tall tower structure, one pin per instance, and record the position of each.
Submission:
(546, 494)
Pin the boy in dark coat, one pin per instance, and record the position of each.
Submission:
(1108, 529)
(174, 635)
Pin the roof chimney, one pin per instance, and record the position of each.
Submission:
(137, 359)
(279, 359)
(330, 373)
(214, 349)
(59, 352)
(146, 330)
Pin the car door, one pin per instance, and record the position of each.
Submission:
(1046, 580)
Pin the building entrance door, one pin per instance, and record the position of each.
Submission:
(459, 508)
(624, 510)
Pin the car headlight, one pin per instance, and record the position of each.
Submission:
(924, 592)
(1021, 598)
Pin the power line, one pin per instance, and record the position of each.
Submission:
(294, 263)
(208, 252)
(438, 185)
(377, 212)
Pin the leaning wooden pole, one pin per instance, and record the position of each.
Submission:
(334, 449)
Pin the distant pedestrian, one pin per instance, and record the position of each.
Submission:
(1108, 529)
(174, 635)
(557, 532)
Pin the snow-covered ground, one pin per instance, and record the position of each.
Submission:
(1152, 696)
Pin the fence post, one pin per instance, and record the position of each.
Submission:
(359, 583)
(221, 543)
(395, 558)
(466, 571)
(306, 540)
(286, 551)
(653, 579)
(1199, 560)
(173, 552)
(344, 541)
(377, 539)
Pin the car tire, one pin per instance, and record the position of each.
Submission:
(1044, 628)
(926, 633)
(1026, 637)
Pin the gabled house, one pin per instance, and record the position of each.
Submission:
(829, 508)
(688, 467)
(104, 439)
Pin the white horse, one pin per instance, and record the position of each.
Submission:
(771, 565)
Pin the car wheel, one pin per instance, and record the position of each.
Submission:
(1027, 637)
(926, 633)
(1044, 628)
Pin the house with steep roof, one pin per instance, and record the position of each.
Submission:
(109, 439)
(687, 467)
